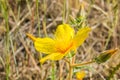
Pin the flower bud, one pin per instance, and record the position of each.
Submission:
(104, 56)
(80, 75)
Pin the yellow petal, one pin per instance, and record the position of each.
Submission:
(80, 75)
(64, 33)
(53, 56)
(31, 37)
(80, 37)
(45, 45)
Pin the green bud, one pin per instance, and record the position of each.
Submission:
(104, 56)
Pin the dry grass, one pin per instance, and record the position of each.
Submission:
(18, 57)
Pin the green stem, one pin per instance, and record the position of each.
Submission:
(70, 68)
(64, 11)
(4, 10)
(82, 64)
(70, 72)
(37, 15)
(53, 71)
(44, 19)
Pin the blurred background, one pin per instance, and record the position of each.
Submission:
(20, 61)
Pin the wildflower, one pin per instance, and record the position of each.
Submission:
(104, 56)
(80, 75)
(64, 41)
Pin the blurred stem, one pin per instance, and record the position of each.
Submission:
(4, 10)
(82, 64)
(70, 72)
(37, 14)
(13, 51)
(31, 15)
(28, 5)
(53, 71)
(12, 47)
(113, 20)
(61, 70)
(71, 68)
(7, 66)
(44, 20)
(64, 11)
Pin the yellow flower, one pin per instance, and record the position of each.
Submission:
(64, 41)
(80, 75)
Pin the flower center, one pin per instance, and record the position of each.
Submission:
(64, 48)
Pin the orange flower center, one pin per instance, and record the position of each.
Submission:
(65, 49)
